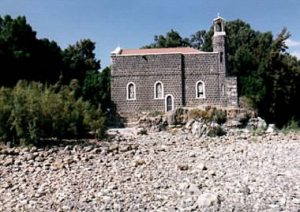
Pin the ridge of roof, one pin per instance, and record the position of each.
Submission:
(173, 50)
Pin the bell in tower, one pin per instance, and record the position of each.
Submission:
(219, 26)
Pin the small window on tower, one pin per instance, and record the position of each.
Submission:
(219, 27)
(223, 90)
(221, 56)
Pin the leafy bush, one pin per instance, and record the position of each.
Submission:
(31, 112)
(219, 116)
(5, 111)
(216, 131)
(292, 126)
(247, 102)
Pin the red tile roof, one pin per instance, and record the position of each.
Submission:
(176, 50)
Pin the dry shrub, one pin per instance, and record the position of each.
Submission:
(209, 114)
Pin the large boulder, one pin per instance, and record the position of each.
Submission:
(151, 122)
(243, 117)
(171, 118)
(233, 124)
(214, 129)
(257, 123)
(177, 117)
(271, 128)
(200, 128)
(208, 199)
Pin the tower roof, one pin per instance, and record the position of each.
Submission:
(219, 29)
(218, 18)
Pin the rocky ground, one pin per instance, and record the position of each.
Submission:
(165, 171)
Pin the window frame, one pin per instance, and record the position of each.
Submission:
(223, 90)
(155, 90)
(166, 103)
(127, 91)
(196, 88)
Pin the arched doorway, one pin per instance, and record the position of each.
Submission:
(169, 103)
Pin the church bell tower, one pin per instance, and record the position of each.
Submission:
(219, 41)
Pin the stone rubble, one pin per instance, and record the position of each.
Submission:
(164, 171)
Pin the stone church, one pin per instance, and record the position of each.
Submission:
(163, 79)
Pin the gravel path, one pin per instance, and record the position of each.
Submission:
(156, 172)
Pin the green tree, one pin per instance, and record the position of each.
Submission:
(96, 88)
(282, 82)
(17, 40)
(197, 39)
(23, 56)
(48, 61)
(171, 39)
(78, 59)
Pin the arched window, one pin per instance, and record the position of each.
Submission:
(221, 57)
(219, 27)
(131, 94)
(158, 90)
(169, 103)
(222, 90)
(200, 90)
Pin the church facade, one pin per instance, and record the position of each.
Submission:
(164, 79)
